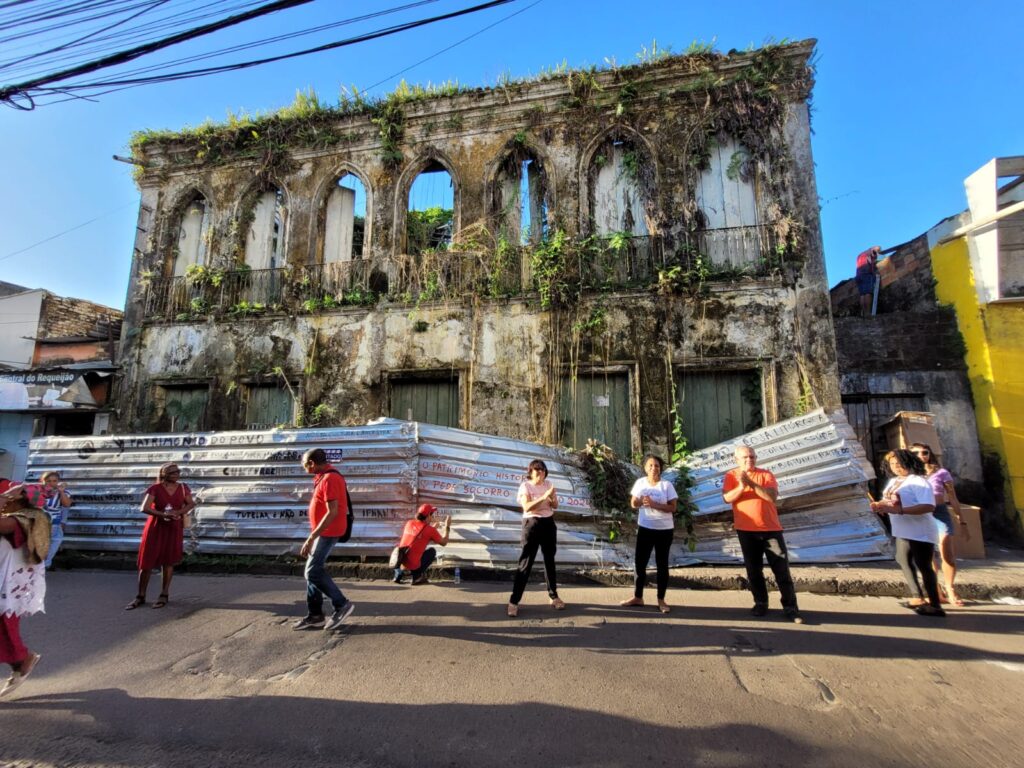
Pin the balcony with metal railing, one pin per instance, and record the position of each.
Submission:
(618, 261)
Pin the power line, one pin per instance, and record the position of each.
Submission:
(454, 45)
(6, 94)
(66, 231)
(188, 74)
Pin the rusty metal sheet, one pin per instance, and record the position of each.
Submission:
(252, 493)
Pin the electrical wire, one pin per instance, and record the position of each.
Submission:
(66, 231)
(454, 45)
(147, 48)
(25, 90)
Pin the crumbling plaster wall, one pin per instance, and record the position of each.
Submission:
(344, 359)
(511, 350)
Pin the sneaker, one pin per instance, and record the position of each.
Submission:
(421, 580)
(339, 616)
(12, 682)
(309, 622)
(792, 614)
(759, 610)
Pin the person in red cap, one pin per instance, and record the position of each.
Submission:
(417, 534)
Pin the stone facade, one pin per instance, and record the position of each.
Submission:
(520, 328)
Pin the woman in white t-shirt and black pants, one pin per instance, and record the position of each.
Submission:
(656, 500)
(909, 501)
(539, 501)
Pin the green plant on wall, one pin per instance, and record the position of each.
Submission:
(609, 481)
(683, 482)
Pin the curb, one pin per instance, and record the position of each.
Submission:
(881, 582)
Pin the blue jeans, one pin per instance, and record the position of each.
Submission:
(426, 560)
(56, 539)
(318, 583)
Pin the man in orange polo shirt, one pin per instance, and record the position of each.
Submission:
(328, 521)
(752, 491)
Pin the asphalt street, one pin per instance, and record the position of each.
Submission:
(436, 675)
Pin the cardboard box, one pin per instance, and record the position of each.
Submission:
(974, 547)
(909, 427)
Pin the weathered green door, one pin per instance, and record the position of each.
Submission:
(433, 401)
(718, 405)
(268, 407)
(599, 410)
(185, 408)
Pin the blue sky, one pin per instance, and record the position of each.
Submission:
(910, 98)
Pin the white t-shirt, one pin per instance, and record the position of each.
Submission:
(913, 490)
(662, 493)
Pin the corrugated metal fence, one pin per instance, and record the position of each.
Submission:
(252, 492)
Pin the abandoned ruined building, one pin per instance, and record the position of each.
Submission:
(616, 254)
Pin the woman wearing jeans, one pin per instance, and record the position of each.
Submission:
(656, 500)
(908, 500)
(539, 501)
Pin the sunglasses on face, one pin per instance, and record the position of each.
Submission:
(922, 453)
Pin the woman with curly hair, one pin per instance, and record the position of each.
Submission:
(947, 515)
(908, 501)
(166, 503)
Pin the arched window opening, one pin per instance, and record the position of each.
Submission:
(193, 236)
(726, 195)
(430, 213)
(345, 222)
(618, 201)
(522, 201)
(265, 241)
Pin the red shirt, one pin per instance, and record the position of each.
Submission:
(328, 485)
(417, 542)
(866, 262)
(751, 512)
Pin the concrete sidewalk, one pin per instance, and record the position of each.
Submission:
(1001, 575)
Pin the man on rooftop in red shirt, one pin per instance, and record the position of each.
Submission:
(867, 273)
(328, 521)
(752, 491)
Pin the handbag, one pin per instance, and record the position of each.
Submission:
(398, 553)
(397, 557)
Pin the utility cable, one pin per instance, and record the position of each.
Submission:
(7, 94)
(142, 50)
(66, 231)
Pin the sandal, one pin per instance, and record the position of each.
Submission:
(139, 600)
(513, 610)
(633, 602)
(557, 603)
(161, 601)
(663, 606)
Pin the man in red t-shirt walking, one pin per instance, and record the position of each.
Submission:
(752, 491)
(328, 521)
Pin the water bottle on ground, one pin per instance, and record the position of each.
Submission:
(458, 575)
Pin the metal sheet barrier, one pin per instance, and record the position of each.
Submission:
(252, 492)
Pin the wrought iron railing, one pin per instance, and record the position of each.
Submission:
(602, 263)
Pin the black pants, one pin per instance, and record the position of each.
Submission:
(537, 532)
(660, 541)
(916, 557)
(758, 545)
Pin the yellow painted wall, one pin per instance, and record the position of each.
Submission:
(994, 336)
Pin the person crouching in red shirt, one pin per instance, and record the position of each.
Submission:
(328, 521)
(752, 491)
(416, 535)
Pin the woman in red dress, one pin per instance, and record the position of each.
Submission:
(23, 530)
(167, 502)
